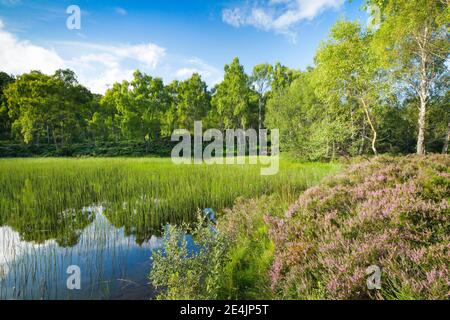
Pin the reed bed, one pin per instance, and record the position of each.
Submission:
(42, 198)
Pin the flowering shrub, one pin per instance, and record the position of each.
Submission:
(391, 212)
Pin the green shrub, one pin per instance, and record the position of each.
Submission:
(183, 275)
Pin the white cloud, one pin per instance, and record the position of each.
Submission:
(10, 3)
(99, 66)
(210, 74)
(148, 54)
(12, 247)
(100, 71)
(185, 73)
(279, 16)
(18, 56)
(104, 65)
(121, 11)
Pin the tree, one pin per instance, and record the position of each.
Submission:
(282, 77)
(52, 107)
(438, 123)
(169, 121)
(30, 99)
(193, 101)
(99, 121)
(446, 141)
(140, 106)
(347, 72)
(74, 106)
(150, 99)
(413, 40)
(5, 123)
(301, 119)
(233, 100)
(262, 79)
(113, 110)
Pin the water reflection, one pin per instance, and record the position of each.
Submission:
(114, 263)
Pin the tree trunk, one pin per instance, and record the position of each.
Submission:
(54, 138)
(446, 140)
(147, 142)
(423, 93)
(333, 152)
(259, 113)
(421, 135)
(363, 140)
(62, 136)
(372, 127)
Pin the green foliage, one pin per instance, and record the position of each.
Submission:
(185, 275)
(233, 101)
(5, 123)
(282, 77)
(192, 102)
(140, 105)
(139, 194)
(245, 274)
(348, 80)
(412, 43)
(299, 115)
(233, 261)
(360, 97)
(48, 107)
(161, 147)
(262, 79)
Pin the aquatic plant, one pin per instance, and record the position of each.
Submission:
(42, 198)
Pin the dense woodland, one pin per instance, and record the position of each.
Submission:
(372, 89)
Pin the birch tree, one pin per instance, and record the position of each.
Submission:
(413, 40)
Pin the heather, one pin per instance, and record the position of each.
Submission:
(388, 212)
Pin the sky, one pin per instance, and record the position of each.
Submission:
(167, 39)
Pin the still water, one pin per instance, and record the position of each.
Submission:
(113, 265)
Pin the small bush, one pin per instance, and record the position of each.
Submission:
(231, 262)
(183, 274)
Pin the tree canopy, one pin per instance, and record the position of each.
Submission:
(371, 90)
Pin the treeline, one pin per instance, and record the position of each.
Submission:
(372, 90)
(56, 110)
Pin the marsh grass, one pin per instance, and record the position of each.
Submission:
(48, 214)
(42, 198)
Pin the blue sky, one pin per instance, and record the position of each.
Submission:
(170, 39)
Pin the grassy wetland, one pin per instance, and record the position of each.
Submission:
(103, 212)
(93, 122)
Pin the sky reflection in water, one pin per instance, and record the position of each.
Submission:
(113, 265)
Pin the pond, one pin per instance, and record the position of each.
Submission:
(47, 224)
(113, 265)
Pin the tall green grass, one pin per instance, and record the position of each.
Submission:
(42, 198)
